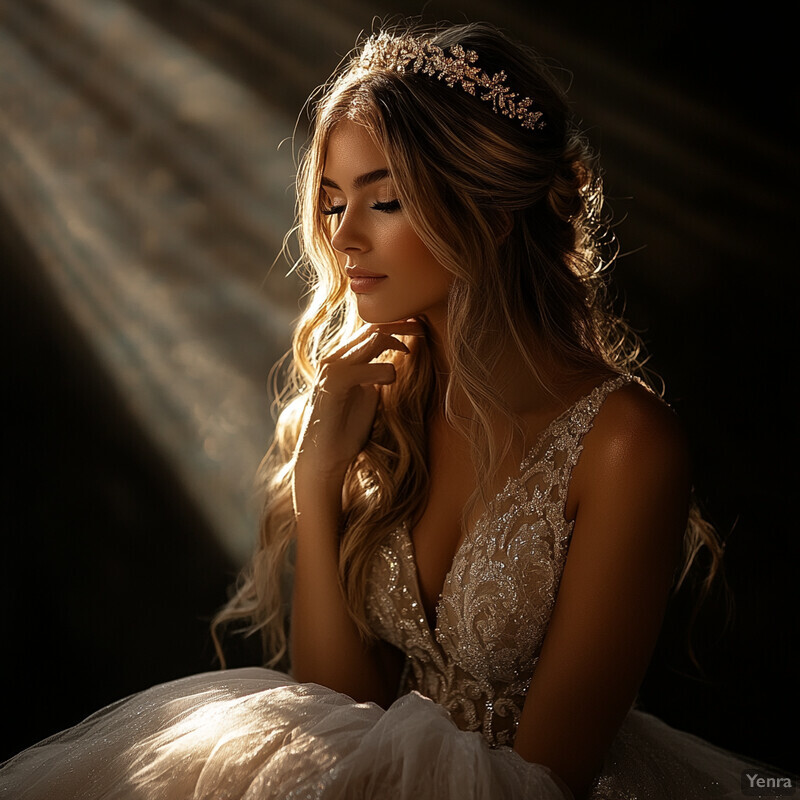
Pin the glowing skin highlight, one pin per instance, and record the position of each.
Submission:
(393, 274)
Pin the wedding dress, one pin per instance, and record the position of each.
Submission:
(255, 733)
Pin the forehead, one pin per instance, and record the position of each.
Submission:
(352, 150)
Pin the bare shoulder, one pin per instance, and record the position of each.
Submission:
(635, 444)
(635, 421)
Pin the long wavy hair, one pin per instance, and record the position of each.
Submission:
(462, 173)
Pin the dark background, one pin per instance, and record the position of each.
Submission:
(694, 111)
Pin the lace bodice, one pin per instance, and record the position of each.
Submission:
(498, 596)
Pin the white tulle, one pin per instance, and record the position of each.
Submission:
(254, 733)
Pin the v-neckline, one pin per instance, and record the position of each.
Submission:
(466, 534)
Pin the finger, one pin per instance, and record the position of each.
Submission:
(373, 346)
(364, 332)
(365, 374)
(337, 379)
(374, 374)
(408, 327)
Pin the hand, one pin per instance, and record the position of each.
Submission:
(343, 404)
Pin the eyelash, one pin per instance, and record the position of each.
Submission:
(386, 208)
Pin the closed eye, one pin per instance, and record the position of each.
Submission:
(386, 208)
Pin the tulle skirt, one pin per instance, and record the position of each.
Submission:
(255, 733)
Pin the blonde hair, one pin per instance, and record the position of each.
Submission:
(462, 173)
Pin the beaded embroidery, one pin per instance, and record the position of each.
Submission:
(498, 596)
(401, 54)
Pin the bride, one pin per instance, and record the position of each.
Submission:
(483, 505)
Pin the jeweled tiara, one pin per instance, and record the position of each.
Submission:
(402, 54)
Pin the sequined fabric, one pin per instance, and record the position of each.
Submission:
(496, 602)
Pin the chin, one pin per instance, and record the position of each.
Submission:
(376, 319)
(378, 316)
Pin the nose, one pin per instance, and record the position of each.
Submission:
(350, 236)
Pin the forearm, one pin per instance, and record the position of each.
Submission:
(326, 645)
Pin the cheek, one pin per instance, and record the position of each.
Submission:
(412, 251)
(420, 275)
(427, 271)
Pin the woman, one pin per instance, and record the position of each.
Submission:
(484, 509)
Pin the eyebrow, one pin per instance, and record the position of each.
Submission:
(362, 180)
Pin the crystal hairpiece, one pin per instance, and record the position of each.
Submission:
(403, 54)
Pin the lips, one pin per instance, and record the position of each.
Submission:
(362, 280)
(360, 272)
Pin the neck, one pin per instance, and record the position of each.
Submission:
(528, 386)
(437, 341)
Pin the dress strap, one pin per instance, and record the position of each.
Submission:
(567, 442)
(565, 433)
(584, 411)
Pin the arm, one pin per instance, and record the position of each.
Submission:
(326, 646)
(631, 489)
(325, 642)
